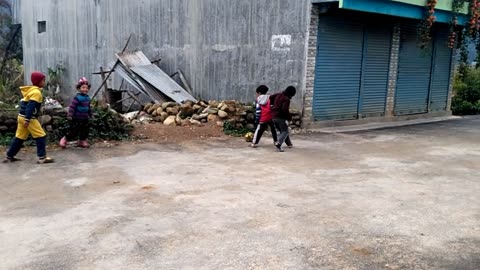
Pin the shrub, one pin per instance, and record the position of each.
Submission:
(466, 98)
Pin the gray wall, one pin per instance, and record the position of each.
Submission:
(223, 46)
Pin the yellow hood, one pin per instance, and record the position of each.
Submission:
(31, 93)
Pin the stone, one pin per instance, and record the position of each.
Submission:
(195, 122)
(186, 110)
(213, 103)
(170, 121)
(154, 113)
(204, 120)
(166, 105)
(224, 107)
(241, 113)
(220, 106)
(298, 123)
(199, 111)
(203, 116)
(178, 119)
(222, 114)
(212, 118)
(220, 123)
(296, 117)
(203, 104)
(45, 119)
(196, 107)
(200, 116)
(3, 128)
(172, 110)
(163, 117)
(294, 112)
(250, 126)
(151, 109)
(145, 118)
(10, 122)
(49, 128)
(156, 106)
(250, 117)
(210, 111)
(231, 109)
(158, 119)
(147, 106)
(239, 126)
(249, 109)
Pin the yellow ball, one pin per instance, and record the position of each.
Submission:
(249, 137)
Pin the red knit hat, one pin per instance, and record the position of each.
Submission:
(37, 77)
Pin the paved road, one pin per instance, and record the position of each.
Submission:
(403, 198)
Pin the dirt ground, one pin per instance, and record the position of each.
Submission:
(403, 198)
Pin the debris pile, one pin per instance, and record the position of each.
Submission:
(239, 115)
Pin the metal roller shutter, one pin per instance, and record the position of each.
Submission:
(414, 69)
(338, 69)
(441, 72)
(375, 71)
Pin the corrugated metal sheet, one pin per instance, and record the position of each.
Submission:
(160, 80)
(441, 72)
(414, 68)
(338, 69)
(160, 83)
(375, 72)
(133, 59)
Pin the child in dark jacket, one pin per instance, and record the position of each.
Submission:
(28, 123)
(281, 115)
(263, 116)
(79, 114)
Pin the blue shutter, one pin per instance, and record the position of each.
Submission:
(414, 68)
(441, 72)
(375, 71)
(338, 69)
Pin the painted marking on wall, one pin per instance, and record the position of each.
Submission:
(281, 43)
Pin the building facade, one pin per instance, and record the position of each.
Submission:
(352, 60)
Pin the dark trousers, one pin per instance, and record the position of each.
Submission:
(18, 143)
(282, 127)
(261, 129)
(79, 129)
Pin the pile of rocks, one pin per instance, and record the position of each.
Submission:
(236, 113)
(8, 120)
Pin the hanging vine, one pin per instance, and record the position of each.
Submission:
(424, 35)
(457, 6)
(462, 45)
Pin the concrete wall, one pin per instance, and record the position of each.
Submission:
(224, 46)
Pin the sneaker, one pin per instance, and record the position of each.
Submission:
(290, 146)
(253, 145)
(279, 148)
(63, 142)
(83, 144)
(45, 160)
(11, 159)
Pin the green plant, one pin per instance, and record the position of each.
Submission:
(10, 81)
(54, 82)
(230, 129)
(6, 138)
(106, 125)
(466, 98)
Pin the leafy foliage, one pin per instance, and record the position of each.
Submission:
(105, 126)
(231, 130)
(467, 93)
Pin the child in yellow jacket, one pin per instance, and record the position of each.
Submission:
(28, 123)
